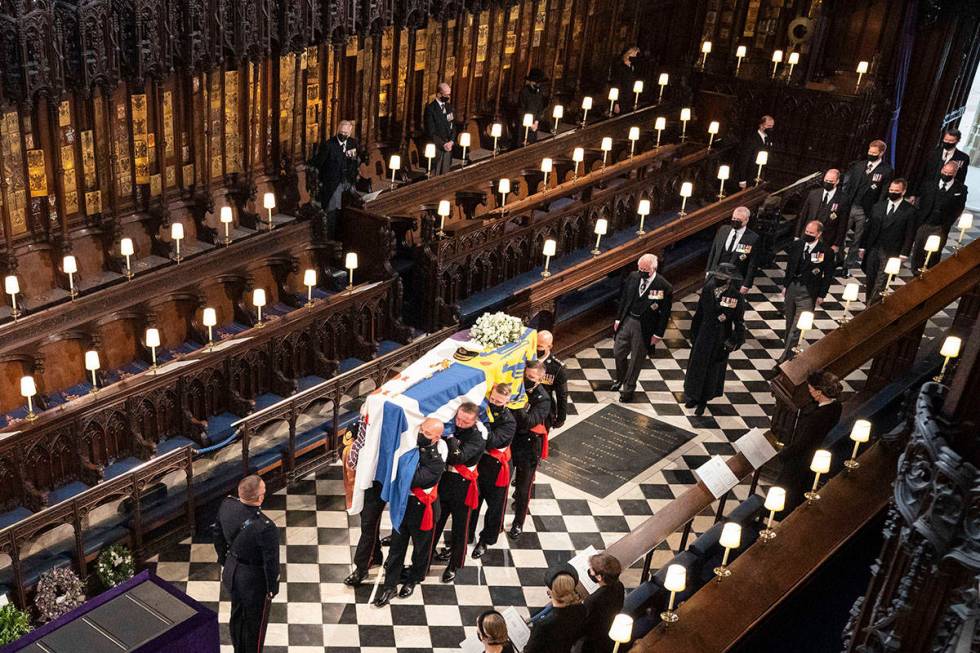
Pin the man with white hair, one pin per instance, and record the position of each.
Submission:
(440, 128)
(735, 243)
(555, 380)
(337, 163)
(641, 319)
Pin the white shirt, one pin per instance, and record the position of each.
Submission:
(948, 155)
(829, 195)
(762, 135)
(645, 283)
(873, 165)
(734, 238)
(945, 184)
(892, 207)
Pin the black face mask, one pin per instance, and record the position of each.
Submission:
(895, 196)
(444, 99)
(808, 238)
(593, 576)
(829, 185)
(342, 137)
(644, 274)
(736, 224)
(767, 130)
(949, 146)
(946, 178)
(423, 441)
(529, 384)
(872, 157)
(541, 353)
(495, 409)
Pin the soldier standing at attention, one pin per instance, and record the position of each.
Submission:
(247, 543)
(555, 380)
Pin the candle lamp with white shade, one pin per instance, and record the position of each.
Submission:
(804, 323)
(209, 318)
(613, 99)
(777, 58)
(350, 262)
(713, 127)
(601, 227)
(892, 268)
(269, 203)
(637, 90)
(527, 122)
(724, 172)
(11, 286)
(70, 265)
(177, 235)
(503, 187)
(740, 53)
(634, 135)
(547, 165)
(496, 131)
(687, 189)
(643, 210)
(731, 538)
(606, 146)
(964, 222)
(705, 51)
(860, 433)
(761, 159)
(659, 125)
(578, 155)
(862, 70)
(662, 83)
(849, 295)
(444, 210)
(27, 390)
(685, 118)
(309, 280)
(674, 582)
(557, 113)
(550, 247)
(226, 217)
(819, 465)
(794, 58)
(430, 154)
(621, 630)
(586, 106)
(950, 350)
(394, 164)
(775, 502)
(153, 341)
(930, 247)
(92, 365)
(464, 142)
(258, 301)
(127, 250)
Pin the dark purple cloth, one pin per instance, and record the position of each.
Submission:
(199, 634)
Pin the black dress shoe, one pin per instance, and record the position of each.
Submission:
(383, 599)
(514, 532)
(449, 575)
(625, 397)
(616, 385)
(700, 409)
(407, 590)
(479, 550)
(386, 540)
(444, 554)
(356, 577)
(406, 575)
(690, 404)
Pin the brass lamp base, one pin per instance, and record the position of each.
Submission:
(767, 535)
(259, 325)
(31, 416)
(669, 617)
(596, 252)
(851, 464)
(811, 496)
(722, 572)
(545, 274)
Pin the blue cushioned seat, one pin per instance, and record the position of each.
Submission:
(13, 516)
(219, 426)
(575, 303)
(230, 329)
(348, 364)
(120, 467)
(65, 492)
(64, 396)
(307, 382)
(388, 346)
(263, 458)
(172, 444)
(277, 309)
(33, 566)
(561, 203)
(265, 400)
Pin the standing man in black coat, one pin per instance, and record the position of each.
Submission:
(602, 606)
(889, 228)
(826, 204)
(761, 139)
(945, 153)
(459, 488)
(865, 183)
(718, 329)
(337, 162)
(623, 75)
(247, 544)
(494, 470)
(940, 203)
(555, 380)
(533, 101)
(530, 442)
(809, 273)
(641, 319)
(421, 513)
(440, 128)
(735, 243)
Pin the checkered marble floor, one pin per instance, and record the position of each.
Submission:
(314, 611)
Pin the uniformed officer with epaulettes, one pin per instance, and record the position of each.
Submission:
(494, 469)
(247, 543)
(555, 380)
(530, 442)
(421, 512)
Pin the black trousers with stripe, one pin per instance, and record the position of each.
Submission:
(452, 495)
(495, 498)
(422, 543)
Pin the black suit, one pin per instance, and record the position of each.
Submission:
(832, 214)
(743, 255)
(812, 427)
(555, 380)
(440, 129)
(938, 208)
(530, 100)
(862, 190)
(336, 165)
(640, 319)
(623, 77)
(807, 279)
(746, 166)
(601, 607)
(934, 163)
(884, 238)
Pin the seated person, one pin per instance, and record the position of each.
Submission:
(602, 606)
(560, 630)
(491, 630)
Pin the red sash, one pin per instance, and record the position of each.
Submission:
(541, 430)
(502, 456)
(426, 499)
(473, 492)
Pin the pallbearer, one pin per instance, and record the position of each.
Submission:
(530, 442)
(494, 469)
(555, 380)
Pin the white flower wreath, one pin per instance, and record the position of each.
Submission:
(496, 329)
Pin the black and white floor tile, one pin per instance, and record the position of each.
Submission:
(314, 611)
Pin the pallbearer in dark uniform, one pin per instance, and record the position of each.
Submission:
(494, 469)
(717, 330)
(641, 319)
(940, 204)
(735, 243)
(530, 442)
(809, 273)
(368, 551)
(459, 490)
(826, 204)
(421, 513)
(555, 380)
(247, 543)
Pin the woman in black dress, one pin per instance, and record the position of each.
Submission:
(563, 626)
(816, 420)
(718, 330)
(491, 630)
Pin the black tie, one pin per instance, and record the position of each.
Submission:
(891, 209)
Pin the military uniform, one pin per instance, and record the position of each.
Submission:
(555, 381)
(494, 471)
(368, 551)
(247, 543)
(459, 488)
(530, 445)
